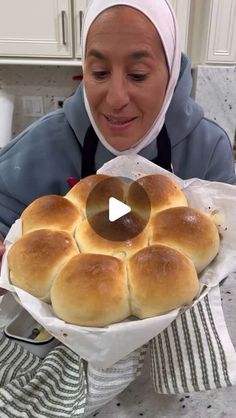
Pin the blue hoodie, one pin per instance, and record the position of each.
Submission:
(41, 159)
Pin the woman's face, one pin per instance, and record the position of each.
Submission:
(125, 75)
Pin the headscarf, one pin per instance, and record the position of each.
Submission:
(161, 14)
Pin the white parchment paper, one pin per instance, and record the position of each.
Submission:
(104, 346)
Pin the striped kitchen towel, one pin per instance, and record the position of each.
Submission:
(61, 385)
(105, 384)
(34, 388)
(195, 352)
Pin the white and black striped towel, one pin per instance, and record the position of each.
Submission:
(104, 384)
(58, 385)
(195, 352)
(30, 387)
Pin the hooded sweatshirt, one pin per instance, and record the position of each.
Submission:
(40, 160)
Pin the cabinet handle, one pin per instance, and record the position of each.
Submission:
(81, 16)
(63, 26)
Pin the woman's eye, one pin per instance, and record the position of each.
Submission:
(99, 75)
(138, 76)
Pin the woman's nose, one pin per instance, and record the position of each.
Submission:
(117, 92)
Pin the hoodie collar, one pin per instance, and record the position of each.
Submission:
(184, 113)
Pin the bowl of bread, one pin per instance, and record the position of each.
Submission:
(106, 294)
(93, 281)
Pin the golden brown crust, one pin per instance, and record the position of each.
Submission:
(89, 241)
(189, 231)
(160, 279)
(52, 212)
(91, 290)
(79, 194)
(36, 258)
(162, 191)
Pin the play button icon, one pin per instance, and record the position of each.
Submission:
(109, 213)
(117, 209)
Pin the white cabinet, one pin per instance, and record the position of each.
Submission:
(49, 31)
(213, 32)
(32, 28)
(52, 28)
(182, 11)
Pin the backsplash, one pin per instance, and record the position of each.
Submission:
(51, 83)
(214, 88)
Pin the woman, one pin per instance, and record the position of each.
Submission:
(135, 98)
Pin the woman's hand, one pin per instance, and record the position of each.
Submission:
(2, 291)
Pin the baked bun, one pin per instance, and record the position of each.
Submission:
(160, 279)
(51, 212)
(188, 230)
(111, 238)
(37, 257)
(79, 194)
(162, 191)
(91, 290)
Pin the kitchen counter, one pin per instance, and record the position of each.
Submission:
(140, 400)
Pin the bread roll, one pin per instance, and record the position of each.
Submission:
(51, 212)
(160, 279)
(121, 238)
(36, 258)
(188, 230)
(109, 186)
(91, 290)
(161, 190)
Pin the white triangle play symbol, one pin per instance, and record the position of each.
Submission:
(117, 209)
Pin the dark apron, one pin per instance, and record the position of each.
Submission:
(91, 140)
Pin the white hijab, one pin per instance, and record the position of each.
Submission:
(161, 14)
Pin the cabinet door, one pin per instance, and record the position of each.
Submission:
(213, 32)
(182, 11)
(32, 28)
(79, 8)
(222, 31)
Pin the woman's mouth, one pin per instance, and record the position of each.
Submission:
(121, 122)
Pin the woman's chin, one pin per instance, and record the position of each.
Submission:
(121, 142)
(121, 145)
